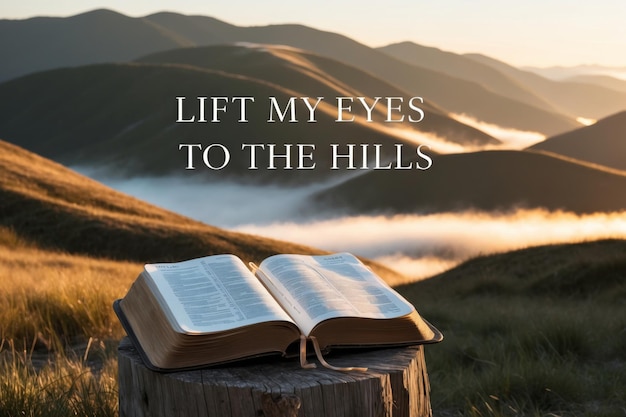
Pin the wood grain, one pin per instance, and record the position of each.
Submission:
(396, 384)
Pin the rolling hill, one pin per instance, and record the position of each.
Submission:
(487, 180)
(462, 67)
(124, 116)
(87, 38)
(43, 43)
(603, 142)
(550, 316)
(605, 81)
(572, 98)
(580, 270)
(55, 208)
(312, 75)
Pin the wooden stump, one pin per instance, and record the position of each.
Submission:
(396, 384)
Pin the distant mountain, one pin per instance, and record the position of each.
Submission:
(310, 75)
(58, 209)
(59, 114)
(605, 81)
(572, 98)
(460, 66)
(562, 72)
(88, 38)
(487, 180)
(601, 143)
(98, 36)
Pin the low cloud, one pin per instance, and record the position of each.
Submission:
(510, 138)
(222, 204)
(419, 246)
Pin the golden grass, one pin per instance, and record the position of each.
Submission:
(58, 331)
(62, 386)
(52, 297)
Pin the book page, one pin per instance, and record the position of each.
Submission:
(315, 288)
(212, 294)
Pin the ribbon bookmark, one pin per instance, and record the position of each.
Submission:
(253, 267)
(303, 362)
(318, 352)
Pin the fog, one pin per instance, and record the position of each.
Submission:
(422, 245)
(510, 138)
(418, 246)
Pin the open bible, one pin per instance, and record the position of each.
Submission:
(214, 309)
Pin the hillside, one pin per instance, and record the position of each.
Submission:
(605, 81)
(601, 143)
(529, 331)
(487, 180)
(59, 114)
(312, 75)
(55, 208)
(573, 98)
(78, 40)
(465, 68)
(580, 270)
(43, 43)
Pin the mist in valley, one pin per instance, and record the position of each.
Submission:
(418, 246)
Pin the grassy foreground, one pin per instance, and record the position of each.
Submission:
(539, 332)
(58, 332)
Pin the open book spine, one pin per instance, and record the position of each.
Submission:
(316, 346)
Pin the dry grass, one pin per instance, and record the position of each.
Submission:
(65, 385)
(53, 299)
(58, 334)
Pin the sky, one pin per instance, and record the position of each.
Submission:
(529, 33)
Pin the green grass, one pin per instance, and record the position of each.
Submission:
(565, 358)
(538, 332)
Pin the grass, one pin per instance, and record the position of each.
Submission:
(526, 333)
(58, 299)
(58, 334)
(537, 332)
(64, 386)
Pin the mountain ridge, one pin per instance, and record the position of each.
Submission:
(602, 143)
(573, 98)
(309, 74)
(135, 37)
(139, 132)
(460, 66)
(484, 181)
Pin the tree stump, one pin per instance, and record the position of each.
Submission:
(396, 384)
